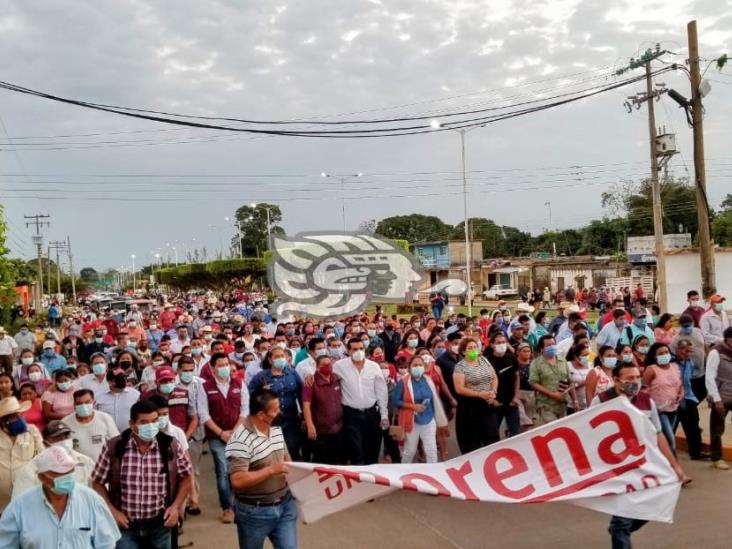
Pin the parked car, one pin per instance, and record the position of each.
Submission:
(499, 291)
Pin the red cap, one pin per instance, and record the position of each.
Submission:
(164, 372)
(716, 298)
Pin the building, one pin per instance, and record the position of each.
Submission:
(445, 259)
(683, 273)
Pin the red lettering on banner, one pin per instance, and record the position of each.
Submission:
(629, 488)
(496, 479)
(408, 482)
(457, 476)
(626, 433)
(546, 458)
(342, 483)
(647, 479)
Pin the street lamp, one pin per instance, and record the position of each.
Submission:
(342, 178)
(435, 124)
(254, 205)
(134, 275)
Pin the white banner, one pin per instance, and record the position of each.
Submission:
(604, 458)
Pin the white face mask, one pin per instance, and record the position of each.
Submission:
(67, 444)
(359, 355)
(34, 376)
(500, 348)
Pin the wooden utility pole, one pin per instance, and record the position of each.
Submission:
(656, 192)
(702, 205)
(71, 270)
(38, 241)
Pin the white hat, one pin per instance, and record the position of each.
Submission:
(49, 344)
(10, 405)
(2, 329)
(524, 308)
(54, 459)
(573, 308)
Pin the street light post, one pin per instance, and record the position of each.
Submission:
(134, 275)
(342, 178)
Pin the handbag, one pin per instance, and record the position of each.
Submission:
(396, 431)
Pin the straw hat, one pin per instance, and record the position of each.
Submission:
(10, 405)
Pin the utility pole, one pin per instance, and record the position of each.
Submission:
(71, 269)
(656, 192)
(57, 245)
(38, 241)
(465, 213)
(702, 205)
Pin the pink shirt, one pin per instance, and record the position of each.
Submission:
(62, 403)
(664, 389)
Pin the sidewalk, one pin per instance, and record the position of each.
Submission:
(704, 411)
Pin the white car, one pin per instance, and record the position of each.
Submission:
(499, 291)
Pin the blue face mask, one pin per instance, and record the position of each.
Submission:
(640, 323)
(84, 410)
(64, 485)
(412, 343)
(417, 371)
(663, 359)
(279, 363)
(18, 426)
(550, 351)
(50, 353)
(167, 388)
(63, 386)
(627, 359)
(186, 377)
(224, 372)
(687, 330)
(440, 351)
(148, 431)
(163, 422)
(100, 368)
(609, 362)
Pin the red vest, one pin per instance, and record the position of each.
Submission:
(223, 411)
(177, 405)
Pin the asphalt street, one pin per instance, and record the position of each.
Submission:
(408, 520)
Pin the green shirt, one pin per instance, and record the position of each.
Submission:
(549, 376)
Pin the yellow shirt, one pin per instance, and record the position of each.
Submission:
(14, 454)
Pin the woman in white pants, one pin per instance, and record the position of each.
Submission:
(420, 411)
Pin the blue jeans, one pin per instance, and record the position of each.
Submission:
(147, 537)
(217, 448)
(277, 522)
(667, 427)
(620, 530)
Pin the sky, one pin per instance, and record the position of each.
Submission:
(118, 186)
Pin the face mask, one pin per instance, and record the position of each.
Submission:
(99, 368)
(662, 360)
(454, 349)
(84, 410)
(416, 325)
(440, 351)
(182, 337)
(35, 376)
(687, 330)
(506, 319)
(64, 484)
(609, 362)
(471, 354)
(336, 352)
(63, 386)
(27, 360)
(125, 364)
(643, 350)
(640, 323)
(631, 388)
(186, 377)
(385, 373)
(196, 351)
(224, 372)
(358, 356)
(585, 360)
(67, 444)
(17, 426)
(326, 370)
(166, 388)
(500, 348)
(279, 363)
(99, 340)
(281, 345)
(620, 323)
(694, 302)
(321, 352)
(208, 337)
(175, 365)
(403, 371)
(412, 343)
(627, 359)
(550, 351)
(148, 431)
(24, 330)
(153, 327)
(132, 345)
(371, 333)
(417, 371)
(719, 307)
(163, 422)
(50, 353)
(427, 359)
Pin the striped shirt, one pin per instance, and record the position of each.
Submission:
(478, 377)
(250, 450)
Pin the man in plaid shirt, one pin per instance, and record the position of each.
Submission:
(144, 476)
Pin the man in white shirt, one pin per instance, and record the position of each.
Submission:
(364, 396)
(118, 400)
(96, 381)
(715, 321)
(316, 348)
(25, 339)
(718, 378)
(612, 331)
(90, 429)
(7, 351)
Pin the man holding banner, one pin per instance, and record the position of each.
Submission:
(627, 379)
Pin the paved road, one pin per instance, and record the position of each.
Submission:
(408, 520)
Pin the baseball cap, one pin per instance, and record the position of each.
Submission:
(164, 372)
(49, 344)
(55, 429)
(516, 325)
(54, 460)
(716, 298)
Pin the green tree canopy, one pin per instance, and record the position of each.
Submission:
(414, 228)
(253, 223)
(89, 274)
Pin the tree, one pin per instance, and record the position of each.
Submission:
(11, 272)
(678, 200)
(603, 236)
(727, 203)
(722, 227)
(88, 274)
(253, 223)
(367, 227)
(485, 231)
(414, 228)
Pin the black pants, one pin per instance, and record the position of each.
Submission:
(292, 431)
(391, 446)
(475, 424)
(716, 430)
(362, 435)
(699, 387)
(621, 529)
(511, 415)
(327, 449)
(688, 416)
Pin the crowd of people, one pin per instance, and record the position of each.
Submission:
(132, 399)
